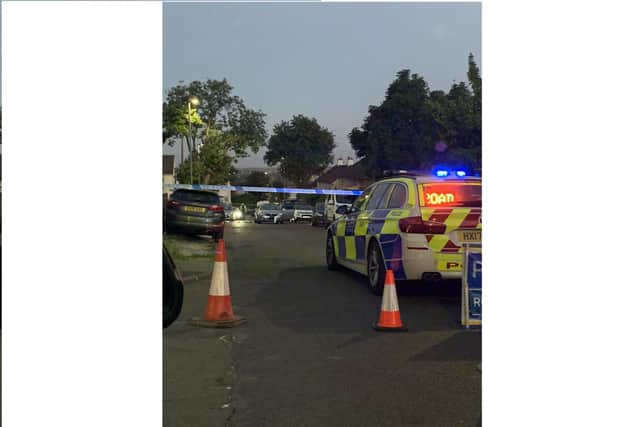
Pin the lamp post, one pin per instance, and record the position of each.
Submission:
(193, 100)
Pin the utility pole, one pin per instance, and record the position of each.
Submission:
(193, 100)
(190, 145)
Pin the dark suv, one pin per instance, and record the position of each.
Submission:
(195, 212)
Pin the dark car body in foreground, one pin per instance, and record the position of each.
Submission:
(172, 290)
(195, 212)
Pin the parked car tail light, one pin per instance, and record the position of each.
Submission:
(416, 224)
(173, 204)
(216, 208)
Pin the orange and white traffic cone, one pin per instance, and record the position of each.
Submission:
(390, 311)
(219, 313)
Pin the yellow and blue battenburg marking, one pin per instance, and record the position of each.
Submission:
(350, 237)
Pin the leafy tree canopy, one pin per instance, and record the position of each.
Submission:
(256, 179)
(415, 128)
(301, 148)
(222, 128)
(400, 132)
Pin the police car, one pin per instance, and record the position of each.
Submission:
(411, 223)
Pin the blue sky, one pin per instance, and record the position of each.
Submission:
(328, 61)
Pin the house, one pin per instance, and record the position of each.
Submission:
(168, 172)
(344, 176)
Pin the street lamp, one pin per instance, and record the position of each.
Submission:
(195, 102)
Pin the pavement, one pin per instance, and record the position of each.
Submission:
(307, 355)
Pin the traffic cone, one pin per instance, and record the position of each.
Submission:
(389, 311)
(218, 313)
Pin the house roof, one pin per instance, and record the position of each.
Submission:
(167, 164)
(354, 172)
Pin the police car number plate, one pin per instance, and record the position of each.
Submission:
(469, 236)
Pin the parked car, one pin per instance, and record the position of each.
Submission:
(415, 224)
(319, 214)
(231, 213)
(195, 212)
(278, 218)
(302, 213)
(333, 202)
(244, 211)
(172, 290)
(288, 206)
(267, 213)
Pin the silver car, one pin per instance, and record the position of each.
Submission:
(302, 213)
(286, 213)
(267, 213)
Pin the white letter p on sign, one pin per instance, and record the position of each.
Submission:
(476, 268)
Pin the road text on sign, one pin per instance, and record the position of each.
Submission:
(439, 198)
(475, 304)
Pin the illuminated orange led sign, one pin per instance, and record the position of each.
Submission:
(439, 198)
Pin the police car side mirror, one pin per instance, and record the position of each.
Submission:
(342, 210)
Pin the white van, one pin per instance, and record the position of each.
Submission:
(333, 202)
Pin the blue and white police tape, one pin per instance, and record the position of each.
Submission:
(265, 189)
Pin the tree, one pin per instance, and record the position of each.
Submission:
(183, 171)
(400, 133)
(222, 130)
(473, 74)
(415, 128)
(277, 197)
(458, 115)
(301, 148)
(256, 179)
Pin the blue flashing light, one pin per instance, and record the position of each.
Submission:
(442, 173)
(461, 173)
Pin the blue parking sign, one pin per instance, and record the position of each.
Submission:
(474, 270)
(475, 304)
(472, 287)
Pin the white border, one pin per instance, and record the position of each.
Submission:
(560, 305)
(559, 131)
(82, 107)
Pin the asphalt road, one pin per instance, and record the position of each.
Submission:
(308, 355)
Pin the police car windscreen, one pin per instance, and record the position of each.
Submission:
(450, 194)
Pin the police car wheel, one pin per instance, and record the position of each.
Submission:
(330, 253)
(375, 269)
